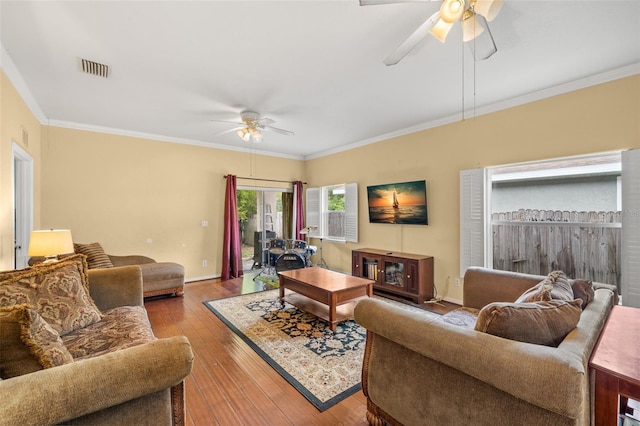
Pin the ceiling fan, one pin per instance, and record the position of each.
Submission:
(251, 126)
(473, 15)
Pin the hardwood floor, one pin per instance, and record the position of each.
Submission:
(230, 384)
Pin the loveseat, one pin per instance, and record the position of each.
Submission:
(76, 347)
(422, 369)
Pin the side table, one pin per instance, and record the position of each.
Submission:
(616, 364)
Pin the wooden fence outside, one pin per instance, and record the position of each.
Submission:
(582, 244)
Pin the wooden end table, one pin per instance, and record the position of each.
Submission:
(326, 294)
(615, 362)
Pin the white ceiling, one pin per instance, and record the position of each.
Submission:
(315, 67)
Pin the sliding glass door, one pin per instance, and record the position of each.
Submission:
(260, 215)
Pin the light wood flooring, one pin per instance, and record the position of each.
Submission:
(230, 384)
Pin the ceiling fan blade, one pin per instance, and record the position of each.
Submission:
(224, 132)
(227, 121)
(275, 129)
(377, 2)
(412, 41)
(265, 121)
(483, 46)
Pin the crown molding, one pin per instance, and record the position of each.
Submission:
(14, 76)
(162, 138)
(7, 65)
(605, 77)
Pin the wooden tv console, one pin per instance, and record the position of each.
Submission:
(401, 274)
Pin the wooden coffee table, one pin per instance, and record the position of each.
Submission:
(326, 294)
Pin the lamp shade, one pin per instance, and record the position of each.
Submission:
(50, 242)
(471, 28)
(244, 134)
(451, 10)
(256, 134)
(488, 8)
(440, 30)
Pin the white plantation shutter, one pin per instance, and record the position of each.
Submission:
(473, 202)
(630, 241)
(351, 212)
(314, 212)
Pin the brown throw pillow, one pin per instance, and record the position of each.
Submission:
(538, 293)
(583, 289)
(96, 257)
(42, 340)
(541, 323)
(15, 357)
(56, 291)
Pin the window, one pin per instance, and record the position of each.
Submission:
(333, 210)
(478, 231)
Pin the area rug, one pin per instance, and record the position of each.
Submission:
(324, 366)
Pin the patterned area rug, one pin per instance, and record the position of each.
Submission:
(322, 365)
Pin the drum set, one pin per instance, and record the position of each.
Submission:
(286, 254)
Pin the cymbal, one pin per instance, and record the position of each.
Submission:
(308, 229)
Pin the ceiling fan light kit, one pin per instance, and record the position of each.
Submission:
(251, 126)
(473, 16)
(471, 27)
(440, 30)
(487, 8)
(451, 10)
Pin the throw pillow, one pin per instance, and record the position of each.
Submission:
(56, 291)
(81, 260)
(541, 323)
(538, 293)
(15, 357)
(583, 289)
(555, 286)
(42, 340)
(561, 286)
(96, 257)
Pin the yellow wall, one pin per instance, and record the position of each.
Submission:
(597, 119)
(140, 196)
(14, 117)
(123, 191)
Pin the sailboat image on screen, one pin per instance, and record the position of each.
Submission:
(398, 203)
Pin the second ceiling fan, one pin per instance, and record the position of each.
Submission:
(251, 126)
(473, 14)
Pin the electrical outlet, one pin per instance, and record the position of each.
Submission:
(204, 263)
(205, 223)
(457, 282)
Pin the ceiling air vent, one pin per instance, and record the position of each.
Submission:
(95, 68)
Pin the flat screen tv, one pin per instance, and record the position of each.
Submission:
(399, 203)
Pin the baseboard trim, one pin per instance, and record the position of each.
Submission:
(203, 278)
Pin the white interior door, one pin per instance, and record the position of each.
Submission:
(22, 204)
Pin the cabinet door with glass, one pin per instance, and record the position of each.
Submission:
(394, 273)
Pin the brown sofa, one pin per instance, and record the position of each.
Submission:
(424, 370)
(119, 372)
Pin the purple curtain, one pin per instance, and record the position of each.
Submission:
(231, 249)
(299, 209)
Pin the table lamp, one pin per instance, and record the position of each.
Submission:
(50, 243)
